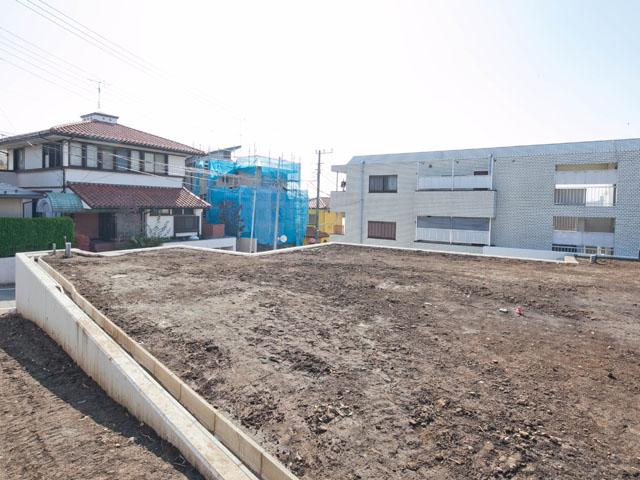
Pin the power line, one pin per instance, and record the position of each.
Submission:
(43, 78)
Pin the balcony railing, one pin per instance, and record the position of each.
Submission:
(596, 239)
(185, 224)
(444, 235)
(455, 182)
(586, 196)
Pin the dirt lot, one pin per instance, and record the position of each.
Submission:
(359, 363)
(56, 423)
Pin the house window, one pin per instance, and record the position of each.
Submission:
(183, 211)
(105, 158)
(76, 155)
(156, 212)
(312, 219)
(383, 183)
(90, 156)
(18, 159)
(52, 155)
(122, 159)
(382, 230)
(160, 164)
(141, 163)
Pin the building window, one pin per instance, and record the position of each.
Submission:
(90, 156)
(122, 159)
(52, 155)
(156, 212)
(160, 164)
(382, 230)
(18, 159)
(312, 218)
(569, 224)
(105, 158)
(141, 164)
(383, 183)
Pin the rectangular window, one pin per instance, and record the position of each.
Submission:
(312, 219)
(90, 153)
(18, 159)
(382, 230)
(52, 155)
(106, 158)
(383, 183)
(141, 161)
(569, 224)
(601, 225)
(148, 162)
(160, 164)
(160, 211)
(75, 155)
(122, 159)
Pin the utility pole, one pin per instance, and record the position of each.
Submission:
(320, 153)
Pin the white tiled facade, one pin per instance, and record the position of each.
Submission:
(518, 202)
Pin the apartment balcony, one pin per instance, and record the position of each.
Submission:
(596, 239)
(455, 203)
(589, 196)
(451, 236)
(455, 182)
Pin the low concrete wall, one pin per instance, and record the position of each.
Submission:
(40, 299)
(524, 253)
(222, 243)
(230, 435)
(7, 270)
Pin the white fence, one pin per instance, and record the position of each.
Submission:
(455, 182)
(474, 237)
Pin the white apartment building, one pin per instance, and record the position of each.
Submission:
(581, 197)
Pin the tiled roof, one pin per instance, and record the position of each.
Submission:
(116, 133)
(102, 195)
(106, 132)
(324, 202)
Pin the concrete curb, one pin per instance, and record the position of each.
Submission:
(567, 259)
(40, 299)
(231, 436)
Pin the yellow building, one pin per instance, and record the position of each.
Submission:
(330, 222)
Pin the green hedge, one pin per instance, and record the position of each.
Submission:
(31, 234)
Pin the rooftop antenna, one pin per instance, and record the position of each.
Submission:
(100, 84)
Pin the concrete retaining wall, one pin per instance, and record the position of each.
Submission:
(7, 270)
(226, 432)
(40, 299)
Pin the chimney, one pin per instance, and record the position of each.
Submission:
(100, 117)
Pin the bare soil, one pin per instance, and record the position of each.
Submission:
(361, 363)
(56, 423)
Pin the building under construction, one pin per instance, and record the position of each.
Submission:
(255, 197)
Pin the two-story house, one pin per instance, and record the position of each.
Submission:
(115, 181)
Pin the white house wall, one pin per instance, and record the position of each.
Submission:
(10, 207)
(121, 178)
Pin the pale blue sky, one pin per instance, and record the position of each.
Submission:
(356, 76)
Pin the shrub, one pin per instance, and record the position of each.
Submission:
(31, 234)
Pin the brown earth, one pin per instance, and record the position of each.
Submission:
(361, 363)
(56, 423)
